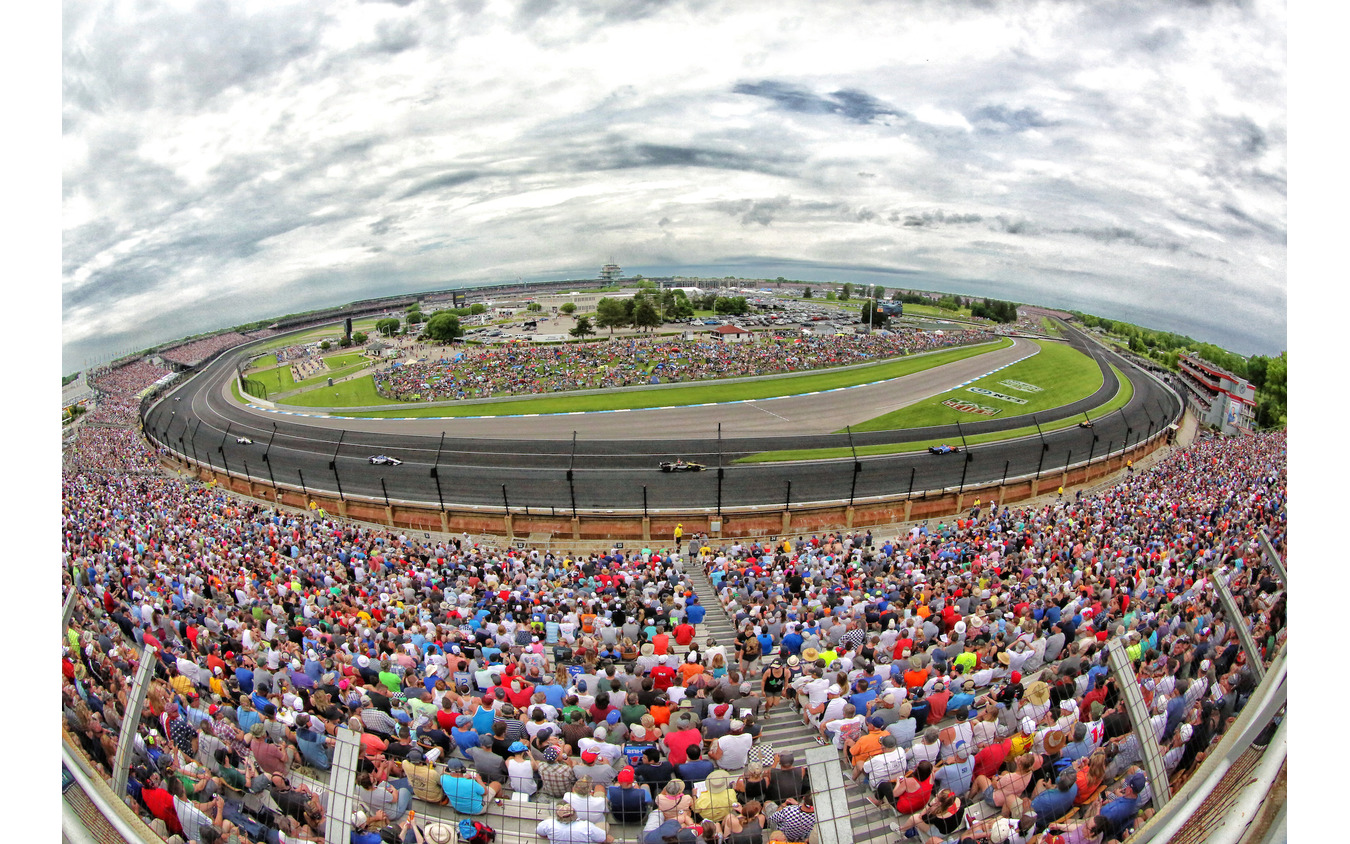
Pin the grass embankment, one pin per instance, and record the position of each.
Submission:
(344, 395)
(1050, 327)
(1119, 400)
(934, 311)
(344, 361)
(1063, 373)
(315, 335)
(277, 379)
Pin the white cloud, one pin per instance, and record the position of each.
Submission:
(265, 158)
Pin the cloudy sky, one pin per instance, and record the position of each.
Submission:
(228, 161)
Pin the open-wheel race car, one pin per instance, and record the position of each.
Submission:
(681, 466)
(385, 460)
(944, 449)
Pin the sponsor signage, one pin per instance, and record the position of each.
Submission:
(971, 407)
(1021, 386)
(993, 395)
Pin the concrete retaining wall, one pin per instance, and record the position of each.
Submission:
(766, 521)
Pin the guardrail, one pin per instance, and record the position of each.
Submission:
(749, 521)
(1223, 797)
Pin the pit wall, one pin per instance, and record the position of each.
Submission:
(770, 521)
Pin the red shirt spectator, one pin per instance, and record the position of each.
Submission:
(679, 743)
(684, 634)
(990, 760)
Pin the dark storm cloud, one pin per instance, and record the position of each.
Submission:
(395, 36)
(760, 211)
(176, 56)
(621, 155)
(1006, 119)
(1162, 39)
(1009, 225)
(939, 217)
(439, 183)
(857, 106)
(1114, 234)
(1270, 231)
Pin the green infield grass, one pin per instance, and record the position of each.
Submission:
(691, 394)
(343, 361)
(277, 379)
(358, 392)
(1063, 373)
(1050, 327)
(934, 311)
(264, 362)
(1119, 400)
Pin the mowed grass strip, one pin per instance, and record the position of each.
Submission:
(1063, 373)
(277, 379)
(358, 392)
(1119, 400)
(633, 400)
(321, 380)
(344, 361)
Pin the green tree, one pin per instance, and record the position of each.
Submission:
(583, 328)
(534, 307)
(415, 318)
(479, 308)
(846, 292)
(677, 306)
(806, 294)
(345, 342)
(568, 307)
(872, 315)
(359, 337)
(610, 313)
(388, 326)
(830, 296)
(646, 316)
(325, 346)
(444, 327)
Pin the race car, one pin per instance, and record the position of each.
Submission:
(943, 449)
(385, 460)
(243, 440)
(1086, 424)
(681, 466)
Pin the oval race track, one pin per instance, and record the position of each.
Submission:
(524, 461)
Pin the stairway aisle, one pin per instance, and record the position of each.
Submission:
(783, 728)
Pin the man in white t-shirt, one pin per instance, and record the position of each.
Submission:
(731, 750)
(564, 828)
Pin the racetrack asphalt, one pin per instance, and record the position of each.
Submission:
(614, 458)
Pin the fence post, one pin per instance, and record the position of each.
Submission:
(131, 719)
(1128, 686)
(341, 782)
(833, 822)
(1235, 620)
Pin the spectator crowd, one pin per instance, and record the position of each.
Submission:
(197, 351)
(525, 369)
(965, 666)
(959, 669)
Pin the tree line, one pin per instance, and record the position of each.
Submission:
(1267, 374)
